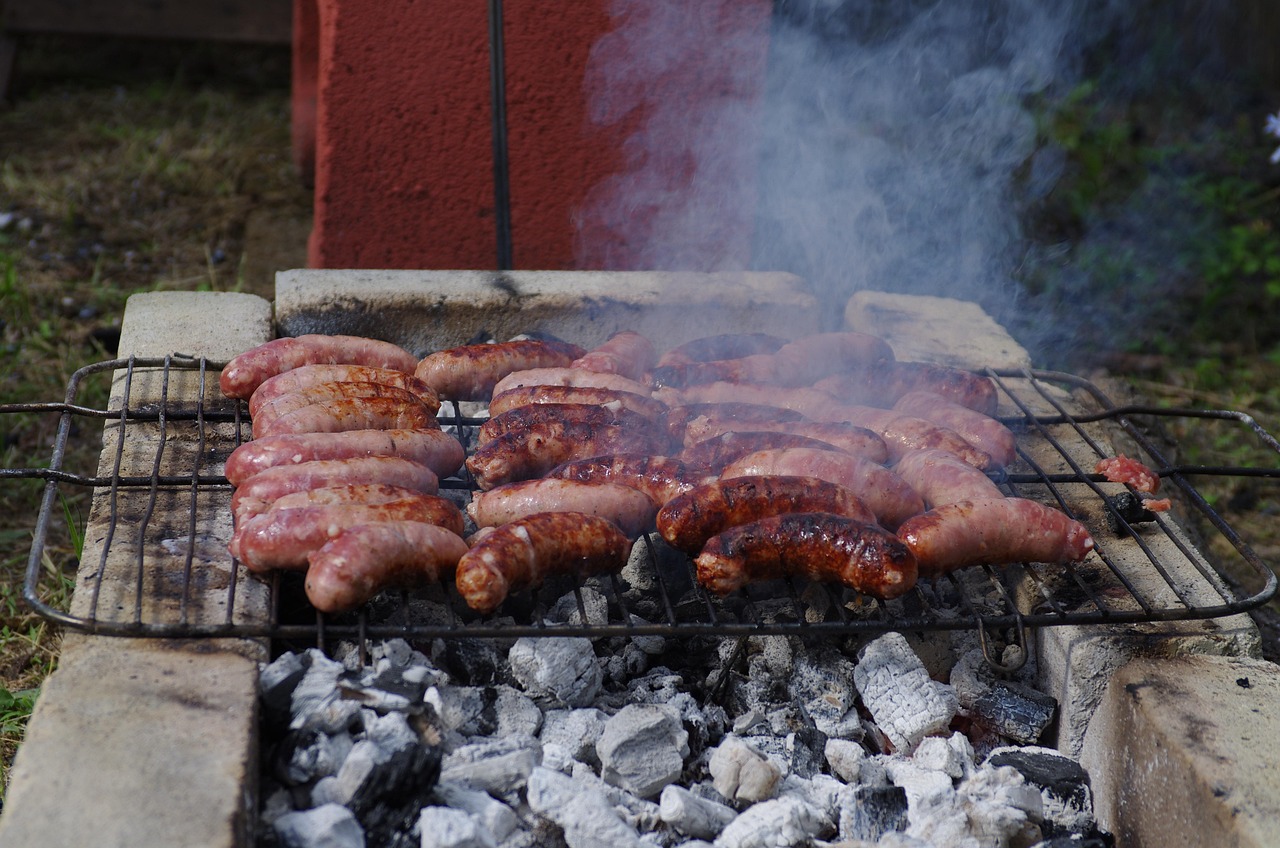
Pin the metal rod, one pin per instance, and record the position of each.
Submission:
(501, 164)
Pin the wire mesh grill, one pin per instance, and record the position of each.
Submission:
(155, 562)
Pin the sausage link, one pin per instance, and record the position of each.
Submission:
(815, 545)
(544, 445)
(525, 418)
(660, 477)
(329, 393)
(304, 376)
(884, 384)
(354, 413)
(905, 433)
(982, 431)
(524, 553)
(630, 509)
(940, 477)
(726, 346)
(243, 374)
(797, 363)
(727, 416)
(841, 435)
(997, 531)
(439, 451)
(358, 493)
(267, 486)
(688, 521)
(366, 559)
(715, 453)
(470, 372)
(626, 353)
(568, 377)
(654, 410)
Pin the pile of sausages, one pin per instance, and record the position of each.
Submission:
(822, 457)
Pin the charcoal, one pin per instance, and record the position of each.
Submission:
(1127, 506)
(905, 702)
(464, 709)
(497, 766)
(779, 822)
(327, 826)
(1063, 783)
(316, 703)
(869, 812)
(643, 748)
(566, 609)
(474, 662)
(822, 681)
(390, 732)
(495, 817)
(807, 746)
(923, 785)
(693, 816)
(276, 682)
(993, 807)
(822, 792)
(443, 827)
(1015, 711)
(571, 735)
(564, 670)
(388, 801)
(1075, 840)
(845, 759)
(306, 755)
(742, 773)
(637, 812)
(585, 814)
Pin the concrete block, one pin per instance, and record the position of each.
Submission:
(1182, 751)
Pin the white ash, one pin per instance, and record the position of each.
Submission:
(445, 827)
(561, 669)
(570, 736)
(742, 773)
(497, 766)
(326, 826)
(642, 748)
(585, 814)
(905, 702)
(773, 824)
(691, 815)
(490, 815)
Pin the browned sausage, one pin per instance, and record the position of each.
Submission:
(305, 376)
(815, 545)
(541, 447)
(568, 377)
(358, 493)
(884, 384)
(368, 558)
(525, 419)
(982, 431)
(688, 521)
(265, 487)
(715, 453)
(905, 433)
(797, 363)
(331, 394)
(627, 353)
(849, 438)
(997, 531)
(660, 477)
(243, 374)
(887, 494)
(809, 402)
(439, 451)
(940, 477)
(469, 372)
(740, 416)
(654, 410)
(630, 509)
(354, 413)
(726, 346)
(523, 553)
(282, 538)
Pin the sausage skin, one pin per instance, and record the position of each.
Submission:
(982, 431)
(544, 445)
(439, 451)
(353, 413)
(715, 453)
(654, 410)
(725, 346)
(660, 477)
(523, 553)
(797, 363)
(630, 509)
(244, 373)
(706, 510)
(358, 493)
(568, 377)
(261, 490)
(815, 545)
(329, 393)
(996, 531)
(469, 372)
(884, 384)
(940, 477)
(727, 416)
(525, 419)
(305, 376)
(626, 353)
(363, 560)
(850, 438)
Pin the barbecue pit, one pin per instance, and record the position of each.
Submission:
(155, 563)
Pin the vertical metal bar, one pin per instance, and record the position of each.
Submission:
(501, 164)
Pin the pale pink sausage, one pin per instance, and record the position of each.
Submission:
(629, 508)
(330, 393)
(304, 376)
(369, 558)
(940, 477)
(361, 413)
(243, 374)
(568, 377)
(470, 372)
(273, 483)
(982, 431)
(627, 353)
(437, 450)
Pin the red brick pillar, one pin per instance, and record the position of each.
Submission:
(403, 149)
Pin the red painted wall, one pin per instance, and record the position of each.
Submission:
(403, 169)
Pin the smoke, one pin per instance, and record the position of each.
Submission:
(888, 150)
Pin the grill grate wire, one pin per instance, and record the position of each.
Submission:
(1141, 574)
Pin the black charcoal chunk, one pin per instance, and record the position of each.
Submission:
(1063, 784)
(873, 811)
(1016, 712)
(389, 800)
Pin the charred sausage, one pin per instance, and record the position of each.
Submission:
(815, 545)
(469, 372)
(305, 376)
(660, 477)
(940, 477)
(630, 509)
(542, 446)
(364, 560)
(524, 419)
(626, 353)
(243, 374)
(439, 451)
(654, 410)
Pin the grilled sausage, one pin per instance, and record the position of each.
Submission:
(982, 431)
(470, 372)
(630, 509)
(660, 477)
(726, 346)
(568, 377)
(996, 531)
(884, 384)
(544, 445)
(359, 493)
(688, 521)
(353, 413)
(815, 545)
(905, 433)
(439, 451)
(267, 486)
(809, 402)
(849, 438)
(730, 416)
(715, 453)
(654, 410)
(797, 363)
(940, 477)
(282, 538)
(626, 353)
(304, 376)
(332, 395)
(243, 374)
(580, 415)
(885, 493)
(523, 553)
(364, 560)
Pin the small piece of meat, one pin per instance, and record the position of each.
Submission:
(282, 538)
(940, 478)
(626, 353)
(797, 363)
(885, 493)
(717, 452)
(267, 486)
(997, 531)
(359, 493)
(243, 374)
(524, 553)
(982, 431)
(1157, 504)
(362, 561)
(544, 445)
(359, 413)
(654, 410)
(331, 394)
(725, 346)
(660, 477)
(884, 384)
(814, 545)
(740, 416)
(1122, 469)
(470, 372)
(688, 521)
(630, 509)
(526, 419)
(305, 376)
(439, 451)
(568, 377)
(849, 438)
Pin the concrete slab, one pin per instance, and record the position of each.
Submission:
(1186, 751)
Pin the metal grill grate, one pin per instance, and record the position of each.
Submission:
(155, 562)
